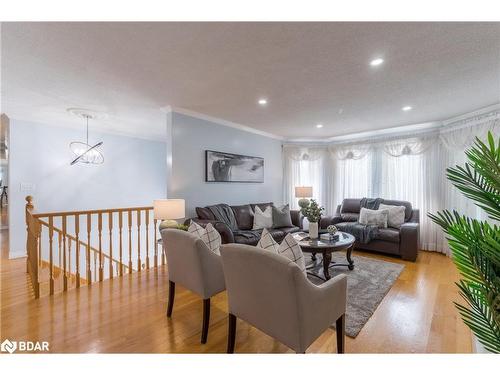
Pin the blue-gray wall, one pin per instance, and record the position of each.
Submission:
(192, 136)
(133, 174)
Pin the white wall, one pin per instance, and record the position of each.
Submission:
(192, 136)
(133, 174)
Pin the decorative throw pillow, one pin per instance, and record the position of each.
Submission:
(289, 248)
(396, 215)
(373, 217)
(208, 235)
(267, 242)
(264, 219)
(281, 216)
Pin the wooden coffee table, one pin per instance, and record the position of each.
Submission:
(326, 247)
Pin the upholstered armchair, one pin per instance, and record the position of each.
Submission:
(271, 293)
(194, 266)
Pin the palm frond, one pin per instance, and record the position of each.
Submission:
(475, 245)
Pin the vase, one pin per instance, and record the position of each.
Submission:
(313, 230)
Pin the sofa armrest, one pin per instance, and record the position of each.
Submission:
(296, 218)
(410, 241)
(225, 232)
(329, 220)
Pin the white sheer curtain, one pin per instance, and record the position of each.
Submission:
(352, 178)
(408, 168)
(305, 166)
(413, 176)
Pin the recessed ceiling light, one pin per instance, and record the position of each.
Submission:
(319, 126)
(407, 108)
(262, 101)
(376, 62)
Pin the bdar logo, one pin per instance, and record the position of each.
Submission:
(8, 346)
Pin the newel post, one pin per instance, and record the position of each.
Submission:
(27, 211)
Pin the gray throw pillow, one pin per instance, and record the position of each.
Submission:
(281, 216)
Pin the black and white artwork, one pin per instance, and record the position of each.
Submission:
(224, 167)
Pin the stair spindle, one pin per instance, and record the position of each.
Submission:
(120, 225)
(139, 240)
(51, 264)
(110, 226)
(65, 270)
(130, 270)
(77, 249)
(89, 228)
(146, 213)
(99, 231)
(156, 243)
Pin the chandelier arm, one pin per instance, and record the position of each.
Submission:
(86, 152)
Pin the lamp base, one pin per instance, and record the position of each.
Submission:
(303, 202)
(167, 224)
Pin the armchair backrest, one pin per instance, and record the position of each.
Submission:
(262, 289)
(191, 263)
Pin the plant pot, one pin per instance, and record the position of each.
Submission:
(313, 230)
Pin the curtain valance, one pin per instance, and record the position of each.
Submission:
(300, 152)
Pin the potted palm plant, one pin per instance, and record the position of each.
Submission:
(312, 211)
(475, 244)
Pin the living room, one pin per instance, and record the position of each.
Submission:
(250, 187)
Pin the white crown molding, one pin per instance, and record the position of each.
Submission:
(413, 129)
(471, 115)
(220, 121)
(97, 130)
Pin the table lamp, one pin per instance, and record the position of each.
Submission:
(303, 192)
(169, 210)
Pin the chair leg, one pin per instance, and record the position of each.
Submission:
(231, 335)
(171, 296)
(340, 328)
(206, 320)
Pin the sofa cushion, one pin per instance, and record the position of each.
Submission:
(349, 216)
(281, 216)
(280, 233)
(244, 216)
(204, 213)
(407, 205)
(351, 205)
(388, 234)
(262, 206)
(247, 237)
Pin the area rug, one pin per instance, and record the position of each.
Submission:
(367, 285)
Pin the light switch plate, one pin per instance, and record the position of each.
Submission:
(27, 187)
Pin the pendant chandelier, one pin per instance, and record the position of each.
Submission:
(85, 152)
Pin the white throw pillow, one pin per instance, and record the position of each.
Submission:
(262, 220)
(208, 235)
(373, 217)
(289, 248)
(396, 215)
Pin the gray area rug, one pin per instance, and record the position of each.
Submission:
(367, 284)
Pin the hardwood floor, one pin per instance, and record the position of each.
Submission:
(128, 314)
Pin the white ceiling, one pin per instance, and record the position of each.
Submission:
(310, 72)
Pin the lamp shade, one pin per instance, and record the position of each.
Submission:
(169, 209)
(303, 191)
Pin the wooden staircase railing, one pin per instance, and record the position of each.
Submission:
(55, 242)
